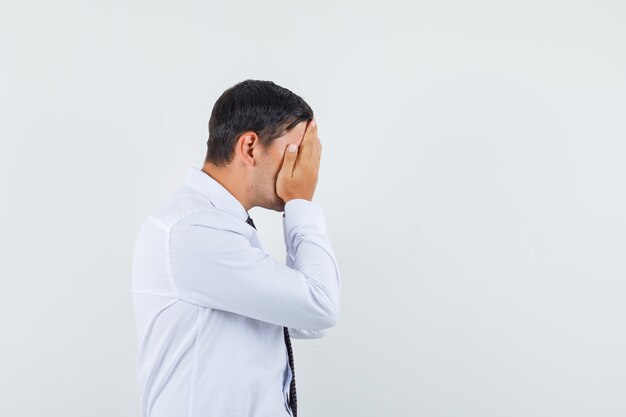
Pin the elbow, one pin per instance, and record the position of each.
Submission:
(323, 305)
(333, 317)
(332, 320)
(323, 322)
(327, 317)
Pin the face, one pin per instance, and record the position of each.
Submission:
(270, 162)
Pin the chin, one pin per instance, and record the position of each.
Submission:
(279, 206)
(276, 205)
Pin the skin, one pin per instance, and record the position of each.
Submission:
(252, 176)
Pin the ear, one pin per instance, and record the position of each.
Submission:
(248, 146)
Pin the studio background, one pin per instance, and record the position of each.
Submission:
(472, 179)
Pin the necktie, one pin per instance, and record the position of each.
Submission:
(292, 389)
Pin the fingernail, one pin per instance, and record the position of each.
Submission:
(292, 148)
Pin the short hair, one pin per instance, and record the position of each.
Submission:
(263, 107)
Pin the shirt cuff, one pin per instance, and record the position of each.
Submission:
(299, 211)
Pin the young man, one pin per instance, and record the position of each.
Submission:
(214, 311)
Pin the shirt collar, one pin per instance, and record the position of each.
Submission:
(215, 192)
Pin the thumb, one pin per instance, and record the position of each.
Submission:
(289, 159)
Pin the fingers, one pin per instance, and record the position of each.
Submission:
(315, 144)
(307, 145)
(310, 133)
(289, 159)
(298, 174)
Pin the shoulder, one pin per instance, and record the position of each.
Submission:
(186, 207)
(216, 219)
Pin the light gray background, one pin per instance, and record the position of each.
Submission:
(472, 179)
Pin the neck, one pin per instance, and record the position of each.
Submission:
(233, 181)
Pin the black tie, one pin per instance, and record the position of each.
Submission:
(292, 389)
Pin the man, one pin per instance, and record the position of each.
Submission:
(214, 311)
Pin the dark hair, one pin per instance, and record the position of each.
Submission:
(263, 107)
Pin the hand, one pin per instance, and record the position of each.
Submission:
(297, 177)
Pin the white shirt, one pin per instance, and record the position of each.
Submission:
(210, 303)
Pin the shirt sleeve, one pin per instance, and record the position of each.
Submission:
(213, 264)
(302, 333)
(301, 207)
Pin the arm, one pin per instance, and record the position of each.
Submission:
(305, 333)
(214, 265)
(302, 333)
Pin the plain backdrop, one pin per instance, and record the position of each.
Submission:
(472, 179)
